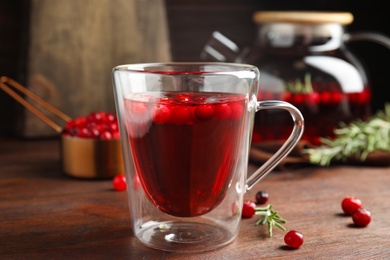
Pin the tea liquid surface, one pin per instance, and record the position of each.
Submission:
(185, 147)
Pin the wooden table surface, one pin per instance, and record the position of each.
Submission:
(47, 215)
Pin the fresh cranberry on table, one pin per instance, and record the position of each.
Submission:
(293, 239)
(261, 197)
(119, 182)
(248, 209)
(350, 204)
(361, 217)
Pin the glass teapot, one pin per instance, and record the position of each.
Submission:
(303, 60)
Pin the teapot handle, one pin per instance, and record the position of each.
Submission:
(220, 48)
(368, 36)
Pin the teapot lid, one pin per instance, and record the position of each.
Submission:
(310, 17)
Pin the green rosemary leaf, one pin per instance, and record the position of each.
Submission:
(355, 140)
(271, 218)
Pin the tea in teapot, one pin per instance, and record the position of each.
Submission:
(303, 59)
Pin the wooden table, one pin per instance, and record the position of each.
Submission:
(47, 215)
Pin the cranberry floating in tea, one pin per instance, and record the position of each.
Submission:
(303, 59)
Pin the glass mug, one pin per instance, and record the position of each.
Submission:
(186, 131)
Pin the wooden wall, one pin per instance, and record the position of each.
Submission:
(73, 46)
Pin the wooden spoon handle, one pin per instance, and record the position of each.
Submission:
(6, 88)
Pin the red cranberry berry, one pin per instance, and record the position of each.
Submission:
(181, 115)
(113, 127)
(204, 112)
(237, 110)
(336, 97)
(286, 96)
(326, 97)
(183, 98)
(361, 97)
(261, 197)
(84, 132)
(96, 117)
(298, 98)
(139, 109)
(110, 117)
(95, 126)
(222, 111)
(248, 209)
(293, 239)
(116, 135)
(361, 217)
(79, 121)
(350, 204)
(94, 132)
(160, 113)
(106, 135)
(119, 182)
(313, 98)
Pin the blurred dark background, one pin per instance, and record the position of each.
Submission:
(190, 24)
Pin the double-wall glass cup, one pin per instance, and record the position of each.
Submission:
(186, 131)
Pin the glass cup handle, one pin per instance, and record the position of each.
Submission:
(368, 36)
(286, 148)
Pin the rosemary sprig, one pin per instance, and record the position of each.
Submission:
(270, 217)
(298, 86)
(355, 140)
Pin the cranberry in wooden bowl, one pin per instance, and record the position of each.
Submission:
(91, 148)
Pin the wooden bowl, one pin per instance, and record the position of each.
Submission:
(91, 158)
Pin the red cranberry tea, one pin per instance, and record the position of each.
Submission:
(194, 141)
(323, 109)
